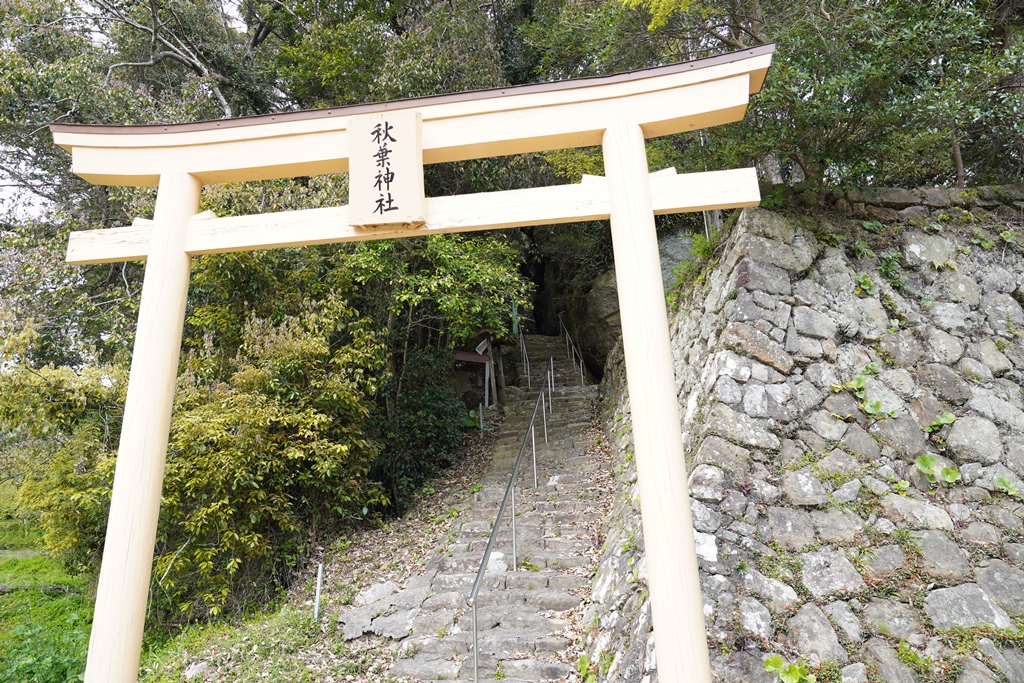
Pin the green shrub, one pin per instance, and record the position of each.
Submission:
(426, 424)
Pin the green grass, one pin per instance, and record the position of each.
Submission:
(281, 646)
(44, 612)
(19, 535)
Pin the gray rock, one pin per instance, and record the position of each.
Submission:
(890, 668)
(803, 488)
(876, 486)
(754, 275)
(707, 482)
(806, 396)
(937, 197)
(194, 670)
(791, 529)
(1002, 517)
(888, 197)
(995, 278)
(872, 317)
(778, 595)
(1014, 552)
(826, 426)
(903, 434)
(976, 672)
(834, 525)
(946, 383)
(861, 443)
(891, 617)
(990, 356)
(838, 462)
(902, 347)
(900, 381)
(842, 404)
(426, 667)
(942, 347)
(755, 401)
(764, 492)
(674, 248)
(878, 391)
(410, 597)
(1000, 309)
(844, 619)
(965, 605)
(812, 323)
(986, 479)
(734, 503)
(792, 258)
(394, 626)
(813, 636)
(826, 572)
(884, 561)
(1004, 584)
(705, 517)
(727, 390)
(981, 533)
(921, 249)
(990, 406)
(959, 512)
(854, 673)
(959, 288)
(1015, 454)
(738, 428)
(376, 592)
(357, 621)
(848, 492)
(916, 514)
(941, 557)
(1009, 662)
(974, 369)
(749, 340)
(707, 546)
(755, 619)
(728, 456)
(952, 317)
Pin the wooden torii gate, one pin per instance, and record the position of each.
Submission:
(384, 147)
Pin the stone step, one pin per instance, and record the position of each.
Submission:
(519, 611)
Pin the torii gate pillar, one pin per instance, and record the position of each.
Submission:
(115, 648)
(676, 604)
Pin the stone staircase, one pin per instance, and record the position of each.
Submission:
(520, 610)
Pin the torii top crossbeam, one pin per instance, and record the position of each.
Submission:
(383, 147)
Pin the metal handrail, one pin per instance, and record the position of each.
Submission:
(572, 351)
(524, 356)
(510, 495)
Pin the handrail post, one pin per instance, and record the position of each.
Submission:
(533, 431)
(545, 416)
(476, 649)
(551, 384)
(515, 558)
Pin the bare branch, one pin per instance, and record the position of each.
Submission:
(154, 60)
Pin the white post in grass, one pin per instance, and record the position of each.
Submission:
(676, 604)
(116, 642)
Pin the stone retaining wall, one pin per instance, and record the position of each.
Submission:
(1002, 202)
(811, 379)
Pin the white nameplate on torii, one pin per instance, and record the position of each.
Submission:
(383, 147)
